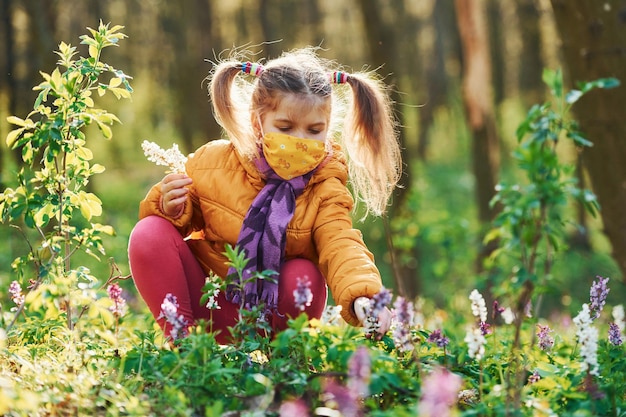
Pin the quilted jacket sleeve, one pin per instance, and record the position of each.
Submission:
(344, 259)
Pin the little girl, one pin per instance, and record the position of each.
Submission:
(278, 190)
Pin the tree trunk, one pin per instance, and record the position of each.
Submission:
(382, 44)
(435, 77)
(531, 86)
(594, 46)
(477, 96)
(7, 84)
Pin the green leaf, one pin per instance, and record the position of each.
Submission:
(554, 81)
(572, 96)
(106, 130)
(13, 135)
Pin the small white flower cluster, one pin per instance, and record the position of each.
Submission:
(212, 286)
(508, 315)
(475, 343)
(331, 316)
(171, 157)
(479, 308)
(588, 339)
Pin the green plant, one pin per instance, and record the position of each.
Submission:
(51, 187)
(530, 225)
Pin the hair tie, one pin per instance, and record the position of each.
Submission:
(252, 68)
(339, 77)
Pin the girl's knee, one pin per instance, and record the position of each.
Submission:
(150, 229)
(307, 273)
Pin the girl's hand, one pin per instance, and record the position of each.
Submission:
(361, 309)
(174, 193)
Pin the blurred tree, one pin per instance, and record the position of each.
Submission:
(7, 65)
(434, 76)
(531, 86)
(478, 99)
(384, 51)
(188, 26)
(593, 38)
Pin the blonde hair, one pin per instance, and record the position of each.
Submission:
(369, 134)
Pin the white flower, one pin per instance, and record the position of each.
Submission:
(508, 316)
(588, 339)
(618, 317)
(331, 316)
(479, 308)
(475, 343)
(171, 157)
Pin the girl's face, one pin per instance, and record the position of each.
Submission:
(305, 117)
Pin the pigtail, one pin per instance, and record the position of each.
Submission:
(371, 142)
(228, 98)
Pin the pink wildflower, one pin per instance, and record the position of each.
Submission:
(339, 398)
(302, 294)
(378, 303)
(440, 392)
(15, 291)
(615, 335)
(293, 408)
(359, 372)
(438, 338)
(535, 377)
(404, 316)
(597, 294)
(169, 311)
(119, 303)
(545, 341)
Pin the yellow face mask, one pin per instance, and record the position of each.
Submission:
(290, 156)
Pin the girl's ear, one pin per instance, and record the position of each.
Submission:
(255, 119)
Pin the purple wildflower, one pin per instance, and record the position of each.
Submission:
(437, 337)
(485, 328)
(340, 398)
(598, 293)
(302, 294)
(497, 310)
(440, 391)
(379, 301)
(15, 291)
(293, 408)
(169, 311)
(359, 372)
(545, 341)
(615, 335)
(119, 303)
(404, 313)
(535, 377)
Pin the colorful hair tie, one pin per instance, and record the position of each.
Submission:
(339, 77)
(252, 68)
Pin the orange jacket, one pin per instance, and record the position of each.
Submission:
(224, 186)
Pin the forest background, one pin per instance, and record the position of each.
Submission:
(463, 75)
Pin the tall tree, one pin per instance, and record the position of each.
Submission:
(478, 100)
(7, 85)
(593, 36)
(383, 50)
(530, 60)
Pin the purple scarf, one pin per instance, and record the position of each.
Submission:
(263, 237)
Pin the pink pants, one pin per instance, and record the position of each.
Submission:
(161, 263)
